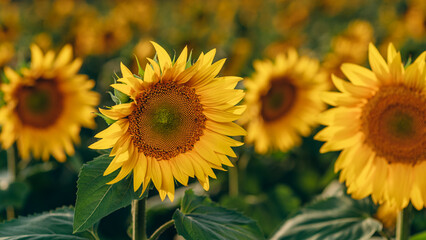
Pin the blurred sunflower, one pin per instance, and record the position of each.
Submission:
(7, 52)
(283, 101)
(176, 125)
(46, 106)
(380, 124)
(349, 47)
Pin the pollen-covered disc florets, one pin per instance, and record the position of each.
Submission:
(176, 125)
(168, 120)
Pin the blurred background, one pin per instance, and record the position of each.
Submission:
(104, 33)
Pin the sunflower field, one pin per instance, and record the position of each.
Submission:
(221, 119)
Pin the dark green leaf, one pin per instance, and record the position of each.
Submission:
(96, 199)
(51, 225)
(199, 218)
(336, 217)
(15, 195)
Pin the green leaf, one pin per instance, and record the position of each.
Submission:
(419, 236)
(336, 217)
(15, 195)
(96, 199)
(108, 120)
(199, 218)
(56, 224)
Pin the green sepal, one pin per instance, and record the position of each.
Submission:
(189, 62)
(108, 120)
(114, 98)
(141, 72)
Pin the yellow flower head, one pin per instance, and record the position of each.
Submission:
(7, 52)
(175, 127)
(283, 101)
(379, 123)
(46, 106)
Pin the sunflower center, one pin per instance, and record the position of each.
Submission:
(168, 120)
(394, 121)
(278, 100)
(40, 105)
(165, 120)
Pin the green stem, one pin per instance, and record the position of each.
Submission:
(233, 180)
(11, 167)
(161, 229)
(11, 163)
(403, 224)
(138, 219)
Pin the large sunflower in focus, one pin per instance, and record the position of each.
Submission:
(379, 123)
(47, 105)
(175, 127)
(283, 101)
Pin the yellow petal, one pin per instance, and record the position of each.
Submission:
(396, 69)
(226, 128)
(359, 75)
(117, 128)
(36, 57)
(220, 116)
(167, 177)
(185, 165)
(156, 172)
(182, 59)
(125, 71)
(391, 53)
(139, 172)
(378, 64)
(344, 143)
(341, 99)
(104, 143)
(354, 90)
(126, 89)
(163, 57)
(64, 56)
(125, 170)
(11, 75)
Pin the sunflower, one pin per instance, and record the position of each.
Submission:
(379, 123)
(46, 106)
(283, 101)
(7, 52)
(176, 123)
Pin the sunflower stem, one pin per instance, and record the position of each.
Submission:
(11, 167)
(161, 229)
(403, 224)
(138, 219)
(233, 180)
